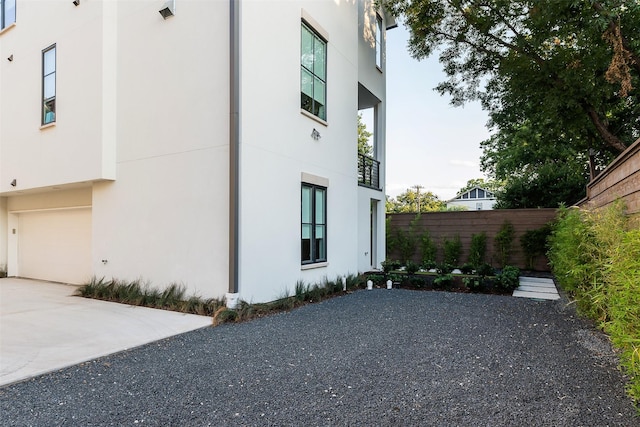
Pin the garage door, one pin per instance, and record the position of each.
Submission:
(55, 245)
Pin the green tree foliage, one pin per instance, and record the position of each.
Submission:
(414, 201)
(364, 146)
(490, 185)
(503, 241)
(558, 78)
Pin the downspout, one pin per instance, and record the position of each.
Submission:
(234, 150)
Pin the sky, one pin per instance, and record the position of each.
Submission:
(429, 142)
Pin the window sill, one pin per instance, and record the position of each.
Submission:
(313, 117)
(7, 28)
(48, 125)
(315, 265)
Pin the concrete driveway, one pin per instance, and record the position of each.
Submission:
(43, 327)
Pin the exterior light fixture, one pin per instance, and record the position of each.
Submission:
(76, 2)
(14, 183)
(168, 10)
(315, 134)
(10, 58)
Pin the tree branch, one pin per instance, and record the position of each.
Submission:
(610, 139)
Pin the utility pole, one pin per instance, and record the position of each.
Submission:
(418, 188)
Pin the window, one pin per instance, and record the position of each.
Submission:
(313, 70)
(7, 13)
(49, 85)
(314, 224)
(379, 42)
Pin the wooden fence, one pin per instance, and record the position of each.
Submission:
(619, 180)
(464, 224)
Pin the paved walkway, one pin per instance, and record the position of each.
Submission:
(44, 328)
(536, 288)
(371, 358)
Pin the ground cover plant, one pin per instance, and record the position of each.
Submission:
(595, 255)
(174, 297)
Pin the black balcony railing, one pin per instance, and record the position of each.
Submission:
(368, 172)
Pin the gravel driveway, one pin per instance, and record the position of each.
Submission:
(373, 358)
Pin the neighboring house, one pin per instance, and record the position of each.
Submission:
(475, 199)
(213, 144)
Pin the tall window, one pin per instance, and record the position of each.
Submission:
(7, 13)
(314, 224)
(49, 85)
(313, 81)
(379, 42)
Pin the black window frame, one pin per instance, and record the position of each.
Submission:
(312, 247)
(49, 103)
(311, 107)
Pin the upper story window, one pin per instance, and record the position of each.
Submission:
(49, 85)
(7, 13)
(313, 72)
(379, 50)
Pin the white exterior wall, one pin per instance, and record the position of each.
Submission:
(277, 146)
(71, 150)
(142, 138)
(165, 218)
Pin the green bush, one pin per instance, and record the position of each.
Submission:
(443, 281)
(508, 279)
(390, 265)
(595, 255)
(477, 248)
(473, 283)
(503, 241)
(452, 250)
(428, 249)
(534, 243)
(467, 268)
(484, 270)
(412, 267)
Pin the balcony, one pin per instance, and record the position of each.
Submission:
(368, 172)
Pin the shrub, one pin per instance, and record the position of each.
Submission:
(428, 249)
(596, 259)
(508, 279)
(477, 248)
(377, 279)
(503, 241)
(452, 250)
(412, 267)
(484, 270)
(473, 283)
(428, 265)
(443, 281)
(467, 268)
(534, 243)
(406, 244)
(390, 265)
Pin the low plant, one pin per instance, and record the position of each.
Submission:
(443, 281)
(444, 268)
(377, 279)
(508, 279)
(3, 270)
(467, 268)
(473, 283)
(412, 267)
(485, 270)
(390, 265)
(428, 265)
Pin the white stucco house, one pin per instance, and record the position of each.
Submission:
(474, 199)
(207, 143)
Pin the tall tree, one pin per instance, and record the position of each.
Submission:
(364, 146)
(549, 72)
(415, 200)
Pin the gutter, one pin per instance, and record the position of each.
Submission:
(234, 150)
